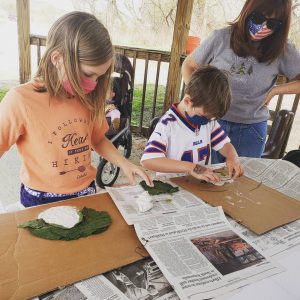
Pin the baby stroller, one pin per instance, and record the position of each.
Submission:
(107, 173)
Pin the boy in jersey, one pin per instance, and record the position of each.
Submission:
(184, 137)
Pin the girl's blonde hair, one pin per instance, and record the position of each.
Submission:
(80, 38)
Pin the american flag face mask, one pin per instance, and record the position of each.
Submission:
(258, 31)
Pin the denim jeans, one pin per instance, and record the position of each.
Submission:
(247, 139)
(31, 197)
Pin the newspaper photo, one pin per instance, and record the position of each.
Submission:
(141, 280)
(200, 253)
(274, 242)
(125, 199)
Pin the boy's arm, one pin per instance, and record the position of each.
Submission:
(166, 165)
(220, 142)
(234, 166)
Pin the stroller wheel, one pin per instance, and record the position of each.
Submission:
(127, 143)
(107, 173)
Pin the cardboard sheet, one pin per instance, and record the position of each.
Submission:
(250, 203)
(30, 266)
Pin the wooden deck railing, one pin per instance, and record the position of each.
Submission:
(134, 54)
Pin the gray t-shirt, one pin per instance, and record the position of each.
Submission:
(249, 80)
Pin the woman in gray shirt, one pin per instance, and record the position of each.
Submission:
(254, 49)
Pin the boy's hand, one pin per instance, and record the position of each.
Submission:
(235, 169)
(203, 173)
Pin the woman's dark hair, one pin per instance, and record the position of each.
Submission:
(270, 47)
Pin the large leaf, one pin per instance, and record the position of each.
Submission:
(159, 188)
(92, 222)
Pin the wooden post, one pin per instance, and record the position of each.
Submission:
(181, 30)
(24, 39)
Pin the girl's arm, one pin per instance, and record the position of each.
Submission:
(166, 165)
(106, 149)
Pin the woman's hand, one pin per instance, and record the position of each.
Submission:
(269, 97)
(292, 87)
(130, 170)
(235, 169)
(203, 173)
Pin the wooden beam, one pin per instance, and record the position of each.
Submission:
(24, 40)
(180, 34)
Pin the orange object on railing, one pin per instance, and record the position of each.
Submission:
(192, 43)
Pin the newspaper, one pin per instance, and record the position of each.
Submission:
(125, 200)
(285, 178)
(200, 253)
(278, 174)
(141, 280)
(194, 270)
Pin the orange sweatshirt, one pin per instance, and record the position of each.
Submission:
(54, 138)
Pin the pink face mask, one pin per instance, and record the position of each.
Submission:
(88, 85)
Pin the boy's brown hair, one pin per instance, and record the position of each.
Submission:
(209, 88)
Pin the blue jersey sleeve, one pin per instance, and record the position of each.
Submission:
(218, 137)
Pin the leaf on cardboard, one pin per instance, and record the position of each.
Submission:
(93, 222)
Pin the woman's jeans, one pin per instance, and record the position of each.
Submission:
(247, 139)
(30, 197)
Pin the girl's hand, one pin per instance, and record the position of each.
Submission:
(203, 173)
(235, 169)
(130, 170)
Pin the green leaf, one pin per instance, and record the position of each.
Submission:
(159, 188)
(38, 223)
(93, 222)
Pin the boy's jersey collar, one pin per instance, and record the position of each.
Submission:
(182, 118)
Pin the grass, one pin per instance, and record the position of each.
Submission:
(2, 93)
(137, 103)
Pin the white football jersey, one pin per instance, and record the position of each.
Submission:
(176, 138)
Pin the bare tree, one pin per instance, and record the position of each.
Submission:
(150, 23)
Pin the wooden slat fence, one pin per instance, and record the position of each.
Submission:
(133, 54)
